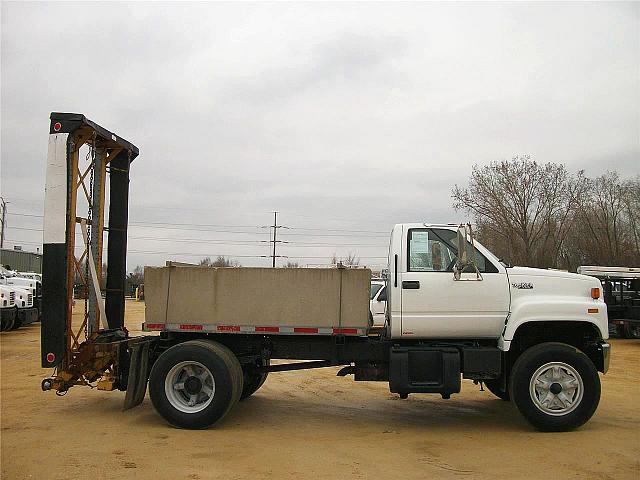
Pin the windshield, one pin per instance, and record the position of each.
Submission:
(375, 288)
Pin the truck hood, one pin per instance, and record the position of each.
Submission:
(552, 295)
(519, 272)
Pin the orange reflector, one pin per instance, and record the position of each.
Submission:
(592, 310)
(595, 293)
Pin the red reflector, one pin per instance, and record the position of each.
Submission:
(305, 330)
(190, 327)
(592, 310)
(154, 326)
(345, 331)
(228, 328)
(50, 357)
(268, 329)
(57, 126)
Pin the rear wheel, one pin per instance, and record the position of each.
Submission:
(495, 387)
(555, 386)
(194, 384)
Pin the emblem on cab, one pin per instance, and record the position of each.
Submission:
(523, 285)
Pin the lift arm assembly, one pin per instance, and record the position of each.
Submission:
(81, 349)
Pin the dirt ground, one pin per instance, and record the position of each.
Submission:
(307, 424)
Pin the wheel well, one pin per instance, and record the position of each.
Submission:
(582, 335)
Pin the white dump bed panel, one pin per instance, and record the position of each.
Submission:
(257, 300)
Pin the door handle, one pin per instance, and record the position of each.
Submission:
(410, 284)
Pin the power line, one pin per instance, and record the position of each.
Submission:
(191, 254)
(146, 224)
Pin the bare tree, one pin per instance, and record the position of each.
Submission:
(291, 265)
(351, 259)
(632, 210)
(605, 228)
(220, 261)
(522, 208)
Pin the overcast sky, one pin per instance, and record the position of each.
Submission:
(345, 118)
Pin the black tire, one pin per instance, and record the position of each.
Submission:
(494, 386)
(223, 366)
(538, 357)
(232, 361)
(630, 330)
(252, 380)
(11, 323)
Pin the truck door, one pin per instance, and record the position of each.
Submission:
(434, 305)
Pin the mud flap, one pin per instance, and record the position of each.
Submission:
(138, 373)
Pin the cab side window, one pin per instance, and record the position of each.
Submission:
(428, 253)
(435, 250)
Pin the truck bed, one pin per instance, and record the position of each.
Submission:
(287, 301)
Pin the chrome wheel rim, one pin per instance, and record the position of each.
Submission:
(556, 388)
(189, 387)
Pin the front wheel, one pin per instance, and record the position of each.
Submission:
(555, 386)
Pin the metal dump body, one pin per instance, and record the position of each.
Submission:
(299, 301)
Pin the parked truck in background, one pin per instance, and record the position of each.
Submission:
(378, 302)
(535, 337)
(621, 292)
(27, 293)
(8, 310)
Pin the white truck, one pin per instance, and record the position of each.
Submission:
(535, 337)
(27, 292)
(621, 293)
(8, 308)
(378, 303)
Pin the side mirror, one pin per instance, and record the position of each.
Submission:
(465, 257)
(466, 253)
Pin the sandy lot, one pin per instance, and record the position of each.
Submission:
(307, 424)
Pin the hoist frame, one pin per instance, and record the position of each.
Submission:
(96, 348)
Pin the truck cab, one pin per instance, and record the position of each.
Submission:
(490, 301)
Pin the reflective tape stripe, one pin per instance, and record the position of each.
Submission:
(345, 331)
(267, 329)
(251, 329)
(153, 326)
(305, 330)
(191, 327)
(228, 328)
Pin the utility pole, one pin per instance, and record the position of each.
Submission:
(3, 206)
(275, 240)
(275, 229)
